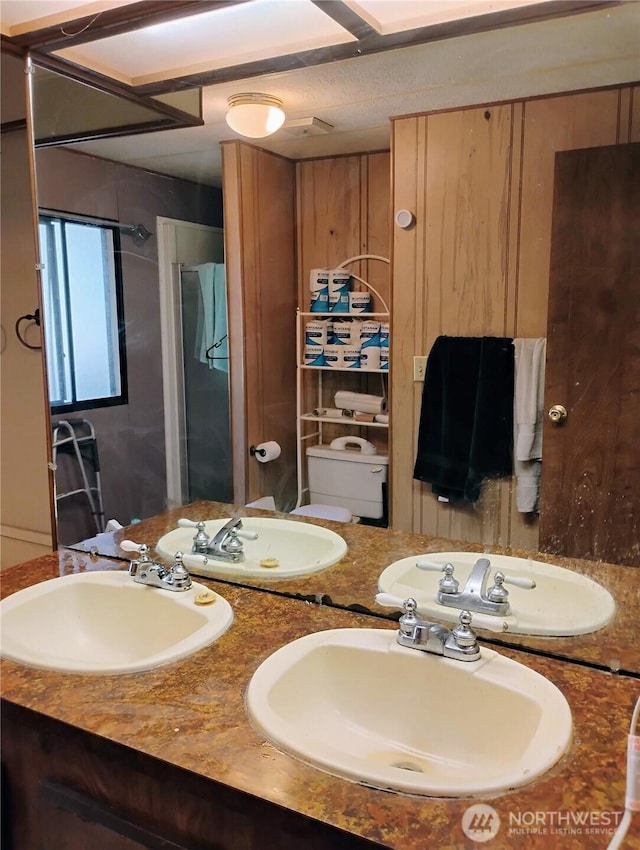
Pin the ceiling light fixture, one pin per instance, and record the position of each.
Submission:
(255, 115)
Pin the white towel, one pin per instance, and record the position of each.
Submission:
(528, 418)
(212, 330)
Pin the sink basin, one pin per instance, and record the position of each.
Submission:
(298, 548)
(562, 603)
(104, 622)
(356, 704)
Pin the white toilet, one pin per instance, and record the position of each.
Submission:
(348, 474)
(345, 480)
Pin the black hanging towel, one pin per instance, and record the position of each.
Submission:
(466, 417)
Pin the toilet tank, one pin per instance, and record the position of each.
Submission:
(347, 477)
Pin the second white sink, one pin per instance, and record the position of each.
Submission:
(289, 548)
(354, 703)
(562, 603)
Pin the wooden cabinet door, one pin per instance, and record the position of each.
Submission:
(591, 465)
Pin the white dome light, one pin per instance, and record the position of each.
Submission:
(255, 115)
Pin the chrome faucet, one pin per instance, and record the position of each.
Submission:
(458, 643)
(475, 596)
(146, 571)
(226, 545)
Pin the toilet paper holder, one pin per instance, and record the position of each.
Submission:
(264, 452)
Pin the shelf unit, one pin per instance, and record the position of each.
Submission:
(318, 389)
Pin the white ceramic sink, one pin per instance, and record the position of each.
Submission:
(104, 622)
(354, 703)
(562, 603)
(298, 548)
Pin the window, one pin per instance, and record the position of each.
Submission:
(83, 313)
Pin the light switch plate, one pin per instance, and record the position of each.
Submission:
(419, 368)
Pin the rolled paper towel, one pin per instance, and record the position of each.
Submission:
(361, 402)
(267, 451)
(382, 418)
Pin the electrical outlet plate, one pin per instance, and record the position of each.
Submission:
(419, 368)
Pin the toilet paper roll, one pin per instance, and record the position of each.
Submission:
(333, 355)
(343, 334)
(351, 356)
(316, 332)
(362, 402)
(314, 355)
(384, 334)
(267, 451)
(370, 357)
(370, 333)
(359, 302)
(319, 286)
(337, 413)
(339, 288)
(384, 359)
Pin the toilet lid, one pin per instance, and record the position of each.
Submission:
(325, 512)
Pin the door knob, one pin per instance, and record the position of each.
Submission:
(558, 414)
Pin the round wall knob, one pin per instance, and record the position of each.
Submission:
(558, 414)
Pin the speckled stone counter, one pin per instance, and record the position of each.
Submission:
(353, 580)
(191, 714)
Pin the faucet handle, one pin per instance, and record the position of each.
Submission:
(463, 635)
(201, 540)
(179, 573)
(246, 534)
(447, 584)
(519, 581)
(388, 600)
(143, 551)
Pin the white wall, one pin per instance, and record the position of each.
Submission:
(25, 513)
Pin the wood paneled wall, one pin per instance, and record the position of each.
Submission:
(343, 211)
(480, 182)
(259, 222)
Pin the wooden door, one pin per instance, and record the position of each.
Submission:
(590, 499)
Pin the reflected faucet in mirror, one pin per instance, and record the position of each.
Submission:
(475, 596)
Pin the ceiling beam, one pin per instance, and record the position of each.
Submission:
(116, 21)
(371, 42)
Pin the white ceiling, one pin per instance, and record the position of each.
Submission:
(356, 96)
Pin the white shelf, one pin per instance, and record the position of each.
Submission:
(345, 315)
(344, 420)
(345, 369)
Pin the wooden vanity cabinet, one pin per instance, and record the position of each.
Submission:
(65, 789)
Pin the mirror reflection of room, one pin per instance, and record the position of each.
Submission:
(145, 457)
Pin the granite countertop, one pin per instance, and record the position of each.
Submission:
(352, 582)
(203, 697)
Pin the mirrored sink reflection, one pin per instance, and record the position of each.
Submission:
(283, 549)
(356, 704)
(104, 622)
(562, 602)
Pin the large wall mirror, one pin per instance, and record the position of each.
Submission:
(160, 198)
